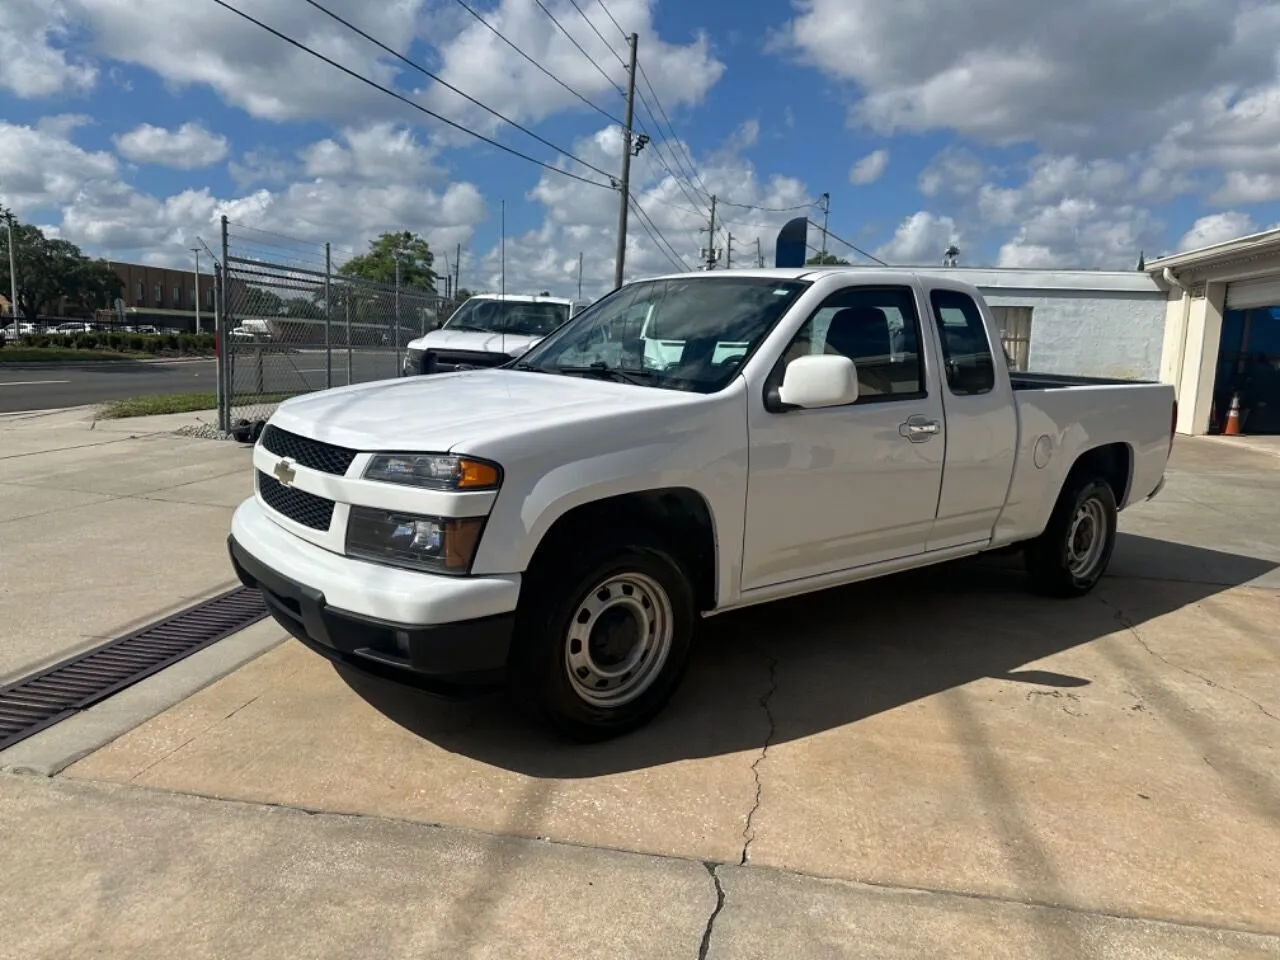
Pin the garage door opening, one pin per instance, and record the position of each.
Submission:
(1249, 368)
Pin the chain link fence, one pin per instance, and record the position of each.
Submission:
(290, 322)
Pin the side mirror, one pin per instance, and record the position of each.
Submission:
(818, 381)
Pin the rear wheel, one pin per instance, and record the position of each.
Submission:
(1071, 555)
(602, 642)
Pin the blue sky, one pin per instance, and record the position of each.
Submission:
(1030, 135)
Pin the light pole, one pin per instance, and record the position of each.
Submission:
(397, 254)
(196, 251)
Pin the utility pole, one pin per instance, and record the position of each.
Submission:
(397, 259)
(624, 185)
(13, 276)
(196, 251)
(728, 253)
(579, 274)
(457, 268)
(759, 254)
(709, 254)
(826, 216)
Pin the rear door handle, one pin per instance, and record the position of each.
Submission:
(920, 429)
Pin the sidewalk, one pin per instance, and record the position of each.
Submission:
(105, 525)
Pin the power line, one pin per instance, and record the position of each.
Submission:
(590, 59)
(753, 206)
(391, 93)
(670, 126)
(582, 13)
(850, 245)
(497, 33)
(611, 17)
(445, 83)
(659, 240)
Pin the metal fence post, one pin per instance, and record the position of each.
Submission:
(228, 387)
(328, 321)
(220, 339)
(347, 301)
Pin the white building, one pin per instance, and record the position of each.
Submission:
(1222, 333)
(1087, 322)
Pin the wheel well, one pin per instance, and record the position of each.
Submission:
(1112, 462)
(679, 516)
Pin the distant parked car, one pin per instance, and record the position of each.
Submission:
(79, 327)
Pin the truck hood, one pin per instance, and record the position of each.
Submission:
(512, 344)
(439, 413)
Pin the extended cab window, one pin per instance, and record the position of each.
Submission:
(965, 347)
(875, 327)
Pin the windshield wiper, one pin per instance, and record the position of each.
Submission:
(468, 329)
(603, 371)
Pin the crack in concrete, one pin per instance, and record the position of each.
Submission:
(705, 946)
(748, 831)
(1129, 625)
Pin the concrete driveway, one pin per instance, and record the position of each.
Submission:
(939, 758)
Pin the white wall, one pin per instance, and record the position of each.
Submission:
(1091, 333)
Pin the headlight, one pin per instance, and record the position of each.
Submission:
(435, 544)
(434, 471)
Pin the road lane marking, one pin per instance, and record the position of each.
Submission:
(29, 383)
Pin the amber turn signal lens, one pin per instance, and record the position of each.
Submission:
(476, 475)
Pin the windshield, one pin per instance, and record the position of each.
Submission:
(508, 316)
(678, 334)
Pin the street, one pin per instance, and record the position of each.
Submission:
(52, 386)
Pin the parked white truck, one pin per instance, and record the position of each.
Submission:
(488, 330)
(565, 521)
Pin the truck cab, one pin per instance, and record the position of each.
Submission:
(686, 446)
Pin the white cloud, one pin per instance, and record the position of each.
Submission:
(1242, 187)
(579, 218)
(1217, 228)
(32, 64)
(955, 171)
(920, 239)
(1080, 232)
(202, 43)
(41, 167)
(377, 151)
(189, 147)
(1091, 72)
(473, 59)
(870, 168)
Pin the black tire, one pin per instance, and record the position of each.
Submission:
(556, 596)
(1054, 561)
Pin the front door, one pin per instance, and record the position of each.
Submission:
(837, 488)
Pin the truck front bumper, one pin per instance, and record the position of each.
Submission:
(453, 641)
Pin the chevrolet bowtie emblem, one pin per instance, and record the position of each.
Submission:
(284, 473)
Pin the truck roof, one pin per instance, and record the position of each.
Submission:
(523, 298)
(862, 274)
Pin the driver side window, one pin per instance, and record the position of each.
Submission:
(878, 328)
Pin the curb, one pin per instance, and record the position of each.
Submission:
(55, 748)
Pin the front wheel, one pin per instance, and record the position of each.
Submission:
(602, 643)
(1071, 555)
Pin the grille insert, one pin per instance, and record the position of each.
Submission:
(325, 457)
(298, 505)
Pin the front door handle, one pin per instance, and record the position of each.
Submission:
(920, 429)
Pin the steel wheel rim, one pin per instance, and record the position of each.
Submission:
(625, 607)
(1087, 538)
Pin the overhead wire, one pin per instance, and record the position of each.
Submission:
(646, 222)
(590, 59)
(403, 99)
(445, 83)
(497, 33)
(872, 258)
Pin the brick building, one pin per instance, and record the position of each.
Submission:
(163, 296)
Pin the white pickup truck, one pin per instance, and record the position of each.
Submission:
(564, 522)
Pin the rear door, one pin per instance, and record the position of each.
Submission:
(837, 488)
(982, 422)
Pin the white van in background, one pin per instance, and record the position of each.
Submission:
(488, 330)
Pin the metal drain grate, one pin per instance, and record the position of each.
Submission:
(44, 698)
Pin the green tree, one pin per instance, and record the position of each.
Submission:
(259, 302)
(50, 269)
(463, 294)
(379, 264)
(827, 260)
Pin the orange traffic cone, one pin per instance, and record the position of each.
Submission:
(1233, 418)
